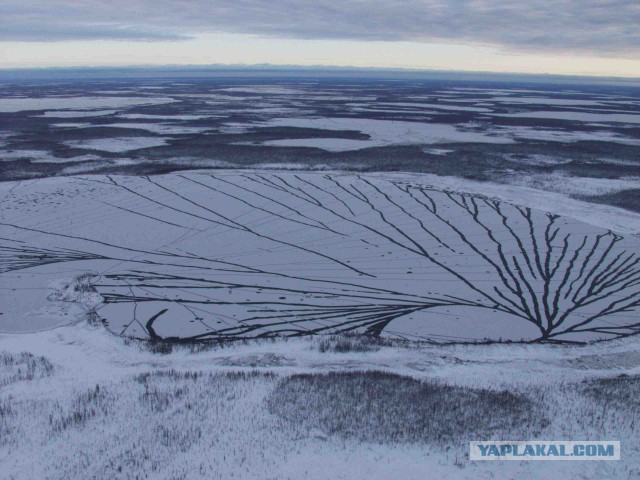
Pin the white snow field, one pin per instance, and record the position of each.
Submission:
(77, 113)
(576, 116)
(71, 103)
(396, 132)
(160, 128)
(381, 133)
(98, 407)
(201, 256)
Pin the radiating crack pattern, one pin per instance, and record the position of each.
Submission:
(197, 257)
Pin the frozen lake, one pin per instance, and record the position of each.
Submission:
(205, 255)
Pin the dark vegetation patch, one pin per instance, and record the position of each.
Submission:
(353, 343)
(166, 346)
(23, 366)
(628, 199)
(387, 408)
(621, 392)
(97, 132)
(276, 133)
(24, 170)
(6, 417)
(148, 378)
(85, 406)
(158, 399)
(580, 168)
(158, 346)
(608, 407)
(82, 283)
(161, 391)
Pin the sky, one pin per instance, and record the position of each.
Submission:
(586, 37)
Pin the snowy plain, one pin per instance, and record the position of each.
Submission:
(152, 418)
(118, 280)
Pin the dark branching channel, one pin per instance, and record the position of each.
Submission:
(381, 257)
(387, 408)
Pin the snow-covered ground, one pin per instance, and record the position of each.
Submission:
(160, 128)
(77, 103)
(603, 216)
(108, 409)
(77, 113)
(395, 132)
(577, 116)
(109, 284)
(383, 125)
(381, 133)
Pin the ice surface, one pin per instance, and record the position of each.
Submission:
(382, 132)
(265, 90)
(566, 136)
(77, 113)
(160, 128)
(34, 155)
(147, 116)
(563, 183)
(548, 101)
(49, 103)
(576, 116)
(437, 151)
(328, 144)
(225, 255)
(437, 106)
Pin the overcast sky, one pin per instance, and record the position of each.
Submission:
(597, 37)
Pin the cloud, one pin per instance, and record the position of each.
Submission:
(601, 27)
(52, 33)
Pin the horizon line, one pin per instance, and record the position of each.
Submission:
(316, 68)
